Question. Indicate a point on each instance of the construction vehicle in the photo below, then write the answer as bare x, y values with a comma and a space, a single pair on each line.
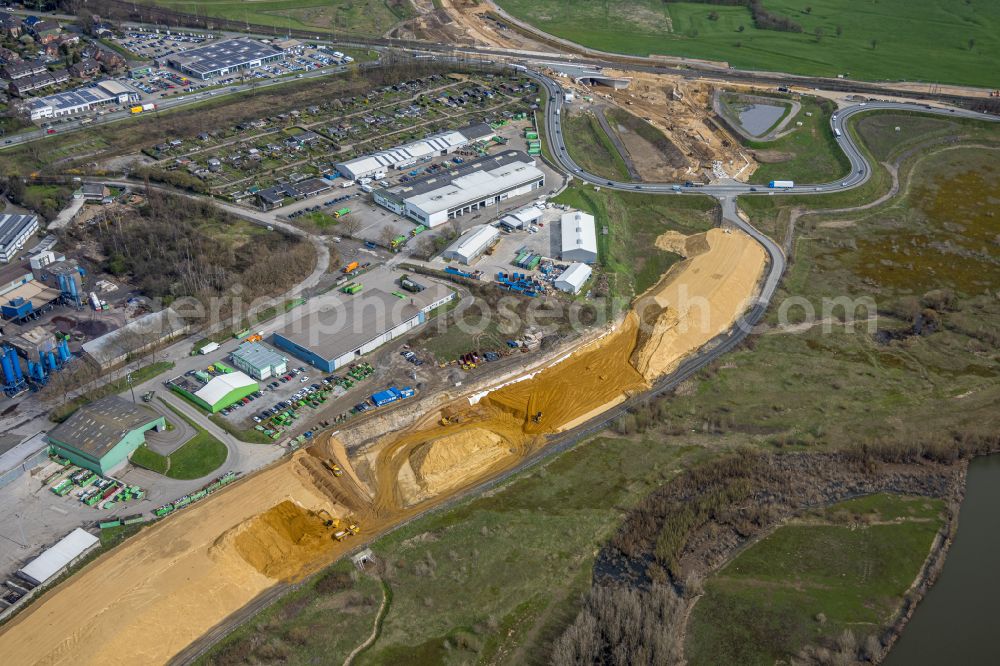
328, 520
353, 528
333, 467
148, 396
256, 337
350, 268
448, 420
537, 418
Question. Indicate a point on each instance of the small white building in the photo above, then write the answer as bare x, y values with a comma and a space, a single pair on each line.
573, 278
579, 237
521, 218
472, 244
259, 361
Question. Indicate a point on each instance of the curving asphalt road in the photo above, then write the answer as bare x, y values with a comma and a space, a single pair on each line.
727, 192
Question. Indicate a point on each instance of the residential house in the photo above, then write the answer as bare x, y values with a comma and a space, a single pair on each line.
85, 69
45, 32
19, 70
10, 25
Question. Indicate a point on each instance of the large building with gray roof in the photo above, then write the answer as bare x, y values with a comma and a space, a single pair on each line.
226, 57
102, 435
475, 185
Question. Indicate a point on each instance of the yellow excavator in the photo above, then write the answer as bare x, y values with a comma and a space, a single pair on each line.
328, 520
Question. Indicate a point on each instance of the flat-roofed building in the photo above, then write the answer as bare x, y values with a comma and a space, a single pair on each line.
259, 361
484, 182
579, 237
442, 143
331, 333
226, 57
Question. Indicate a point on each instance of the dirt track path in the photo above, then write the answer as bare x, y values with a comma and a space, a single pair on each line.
633, 172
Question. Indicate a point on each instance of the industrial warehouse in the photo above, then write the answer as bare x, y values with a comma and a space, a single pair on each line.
579, 237
472, 244
473, 186
81, 100
15, 230
226, 57
102, 435
331, 334
442, 143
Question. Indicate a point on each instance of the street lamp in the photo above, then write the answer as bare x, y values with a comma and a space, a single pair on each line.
128, 379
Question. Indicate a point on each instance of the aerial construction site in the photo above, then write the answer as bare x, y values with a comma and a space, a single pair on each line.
190, 572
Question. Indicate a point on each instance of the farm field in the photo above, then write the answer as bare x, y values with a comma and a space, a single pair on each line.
360, 17
930, 40
842, 568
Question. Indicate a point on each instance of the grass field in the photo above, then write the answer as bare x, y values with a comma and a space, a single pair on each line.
198, 457
455, 596
809, 153
634, 221
919, 40
590, 147
360, 17
849, 565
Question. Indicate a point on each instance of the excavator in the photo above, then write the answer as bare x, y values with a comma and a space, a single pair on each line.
328, 520
333, 467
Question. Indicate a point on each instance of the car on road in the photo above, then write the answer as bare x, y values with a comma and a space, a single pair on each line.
50, 131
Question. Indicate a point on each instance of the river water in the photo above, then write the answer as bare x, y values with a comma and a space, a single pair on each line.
958, 620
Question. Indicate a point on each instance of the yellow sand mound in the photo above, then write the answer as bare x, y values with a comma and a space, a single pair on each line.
454, 459
703, 298
161, 589
280, 541
673, 241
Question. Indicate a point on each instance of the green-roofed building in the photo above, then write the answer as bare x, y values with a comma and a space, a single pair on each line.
102, 435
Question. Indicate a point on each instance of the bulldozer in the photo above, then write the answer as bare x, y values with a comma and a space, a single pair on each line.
537, 418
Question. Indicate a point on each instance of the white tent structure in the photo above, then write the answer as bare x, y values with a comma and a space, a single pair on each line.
579, 237
58, 557
573, 278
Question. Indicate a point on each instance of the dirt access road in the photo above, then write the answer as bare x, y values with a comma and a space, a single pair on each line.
174, 581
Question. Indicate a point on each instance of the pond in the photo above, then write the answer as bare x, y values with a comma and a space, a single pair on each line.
957, 621
756, 119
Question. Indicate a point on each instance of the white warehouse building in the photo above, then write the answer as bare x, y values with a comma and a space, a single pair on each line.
442, 143
473, 186
573, 278
472, 243
519, 218
579, 237
15, 230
